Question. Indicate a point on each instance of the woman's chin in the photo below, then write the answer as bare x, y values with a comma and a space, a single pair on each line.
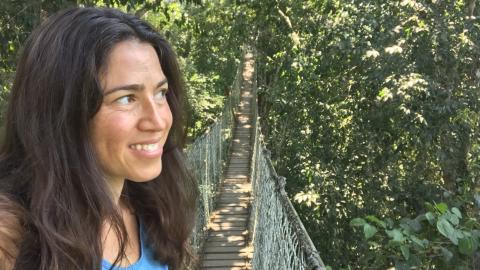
146, 177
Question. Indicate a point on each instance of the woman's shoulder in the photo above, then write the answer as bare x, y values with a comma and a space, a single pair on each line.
11, 231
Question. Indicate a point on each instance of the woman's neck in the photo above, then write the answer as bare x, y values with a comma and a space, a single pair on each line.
111, 242
116, 186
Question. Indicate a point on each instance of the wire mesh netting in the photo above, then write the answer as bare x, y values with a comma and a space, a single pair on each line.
207, 156
278, 236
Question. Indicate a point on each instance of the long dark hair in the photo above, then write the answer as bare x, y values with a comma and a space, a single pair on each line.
47, 160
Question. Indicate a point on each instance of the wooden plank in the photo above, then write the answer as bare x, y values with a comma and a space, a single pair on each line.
225, 256
241, 143
238, 175
238, 182
226, 249
241, 153
242, 169
240, 195
238, 172
227, 212
240, 243
229, 224
243, 187
233, 199
228, 233
236, 191
226, 268
225, 263
241, 146
219, 228
236, 186
233, 191
233, 160
223, 244
239, 163
231, 217
230, 204
235, 180
227, 236
231, 214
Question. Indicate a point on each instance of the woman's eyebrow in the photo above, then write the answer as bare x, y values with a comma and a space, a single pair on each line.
132, 87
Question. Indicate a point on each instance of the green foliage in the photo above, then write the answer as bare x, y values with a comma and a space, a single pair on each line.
384, 99
441, 238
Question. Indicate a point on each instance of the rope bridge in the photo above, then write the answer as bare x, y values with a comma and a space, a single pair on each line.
272, 228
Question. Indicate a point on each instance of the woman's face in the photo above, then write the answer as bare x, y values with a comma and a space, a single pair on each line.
132, 125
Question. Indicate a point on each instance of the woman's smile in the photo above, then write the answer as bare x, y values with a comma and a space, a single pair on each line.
149, 150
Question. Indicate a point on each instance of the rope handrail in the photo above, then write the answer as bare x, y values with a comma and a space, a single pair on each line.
275, 225
206, 157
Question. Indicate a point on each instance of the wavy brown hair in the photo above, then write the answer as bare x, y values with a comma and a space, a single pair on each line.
47, 161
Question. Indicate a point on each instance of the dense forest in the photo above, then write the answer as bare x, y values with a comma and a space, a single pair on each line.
371, 110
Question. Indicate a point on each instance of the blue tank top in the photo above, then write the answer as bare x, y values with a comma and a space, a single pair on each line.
145, 262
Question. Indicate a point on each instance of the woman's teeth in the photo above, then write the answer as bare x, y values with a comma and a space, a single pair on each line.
145, 147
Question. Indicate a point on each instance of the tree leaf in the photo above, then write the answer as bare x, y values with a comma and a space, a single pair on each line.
405, 252
447, 254
377, 221
430, 217
456, 212
369, 230
396, 235
357, 222
452, 218
417, 241
442, 207
466, 246
399, 265
447, 230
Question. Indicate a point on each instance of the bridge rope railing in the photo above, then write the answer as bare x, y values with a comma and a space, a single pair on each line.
207, 156
279, 238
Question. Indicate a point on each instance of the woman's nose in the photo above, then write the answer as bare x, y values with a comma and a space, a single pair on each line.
154, 116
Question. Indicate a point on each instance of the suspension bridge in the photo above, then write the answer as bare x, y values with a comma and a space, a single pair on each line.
245, 219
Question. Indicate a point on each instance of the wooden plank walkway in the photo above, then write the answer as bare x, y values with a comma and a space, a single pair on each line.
227, 245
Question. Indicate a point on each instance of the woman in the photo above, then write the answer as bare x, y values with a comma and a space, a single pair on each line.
91, 169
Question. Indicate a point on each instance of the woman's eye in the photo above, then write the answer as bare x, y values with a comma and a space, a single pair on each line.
124, 100
161, 95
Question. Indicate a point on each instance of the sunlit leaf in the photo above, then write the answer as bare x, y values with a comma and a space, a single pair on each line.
441, 207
